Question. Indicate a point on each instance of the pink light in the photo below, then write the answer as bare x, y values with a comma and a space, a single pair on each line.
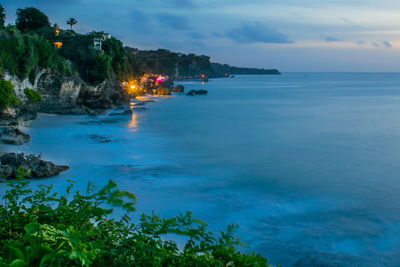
160, 79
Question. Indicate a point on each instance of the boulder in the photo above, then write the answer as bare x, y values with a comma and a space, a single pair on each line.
163, 91
197, 92
13, 136
178, 89
103, 96
27, 113
37, 168
9, 117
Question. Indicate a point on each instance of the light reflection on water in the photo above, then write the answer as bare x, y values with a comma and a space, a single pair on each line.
133, 123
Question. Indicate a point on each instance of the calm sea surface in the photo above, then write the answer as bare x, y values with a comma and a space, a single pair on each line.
306, 164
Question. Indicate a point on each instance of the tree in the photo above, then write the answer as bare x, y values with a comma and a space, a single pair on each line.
2, 17
71, 22
29, 19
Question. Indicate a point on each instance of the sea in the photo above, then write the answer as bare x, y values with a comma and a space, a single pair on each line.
307, 164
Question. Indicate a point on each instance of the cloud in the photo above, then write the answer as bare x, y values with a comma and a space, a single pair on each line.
175, 22
330, 39
375, 44
257, 33
387, 44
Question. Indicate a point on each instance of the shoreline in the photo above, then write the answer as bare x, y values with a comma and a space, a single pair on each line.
136, 104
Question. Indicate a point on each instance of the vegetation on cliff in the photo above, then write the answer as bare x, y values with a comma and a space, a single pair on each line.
7, 95
34, 44
33, 95
42, 228
24, 54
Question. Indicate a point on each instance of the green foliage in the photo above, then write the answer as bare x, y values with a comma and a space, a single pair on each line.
31, 18
95, 66
2, 17
119, 60
7, 95
33, 95
42, 228
24, 54
166, 62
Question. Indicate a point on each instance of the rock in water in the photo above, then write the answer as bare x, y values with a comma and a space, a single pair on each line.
197, 92
9, 164
13, 136
9, 117
99, 139
178, 89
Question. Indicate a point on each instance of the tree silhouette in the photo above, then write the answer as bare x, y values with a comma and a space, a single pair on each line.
30, 19
2, 16
72, 22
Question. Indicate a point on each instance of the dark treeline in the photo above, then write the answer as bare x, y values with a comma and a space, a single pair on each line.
31, 45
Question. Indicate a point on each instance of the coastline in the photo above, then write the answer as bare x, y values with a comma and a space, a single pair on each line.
186, 154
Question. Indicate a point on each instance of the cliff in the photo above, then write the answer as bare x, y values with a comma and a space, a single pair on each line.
180, 65
222, 69
67, 94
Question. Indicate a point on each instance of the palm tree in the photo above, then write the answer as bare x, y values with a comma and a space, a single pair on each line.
72, 22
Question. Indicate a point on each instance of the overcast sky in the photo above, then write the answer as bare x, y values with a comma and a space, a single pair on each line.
291, 35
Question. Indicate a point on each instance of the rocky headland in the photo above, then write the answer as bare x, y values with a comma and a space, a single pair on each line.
60, 95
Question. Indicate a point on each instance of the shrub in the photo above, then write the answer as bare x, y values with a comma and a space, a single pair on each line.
40, 227
33, 95
7, 95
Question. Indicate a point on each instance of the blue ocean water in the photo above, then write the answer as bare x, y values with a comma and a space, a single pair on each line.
308, 164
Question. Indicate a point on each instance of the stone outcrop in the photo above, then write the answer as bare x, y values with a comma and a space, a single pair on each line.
14, 136
60, 93
66, 95
104, 96
197, 92
34, 165
9, 117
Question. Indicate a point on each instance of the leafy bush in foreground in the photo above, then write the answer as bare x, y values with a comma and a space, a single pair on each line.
7, 95
33, 95
41, 228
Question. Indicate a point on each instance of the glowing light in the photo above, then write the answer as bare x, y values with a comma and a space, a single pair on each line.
160, 79
58, 44
131, 88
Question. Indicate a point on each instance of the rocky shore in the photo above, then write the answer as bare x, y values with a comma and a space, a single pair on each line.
33, 166
61, 95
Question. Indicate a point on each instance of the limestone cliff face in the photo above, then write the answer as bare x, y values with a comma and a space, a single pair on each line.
68, 94
59, 93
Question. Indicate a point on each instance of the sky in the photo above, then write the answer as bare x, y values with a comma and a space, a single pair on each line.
290, 35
